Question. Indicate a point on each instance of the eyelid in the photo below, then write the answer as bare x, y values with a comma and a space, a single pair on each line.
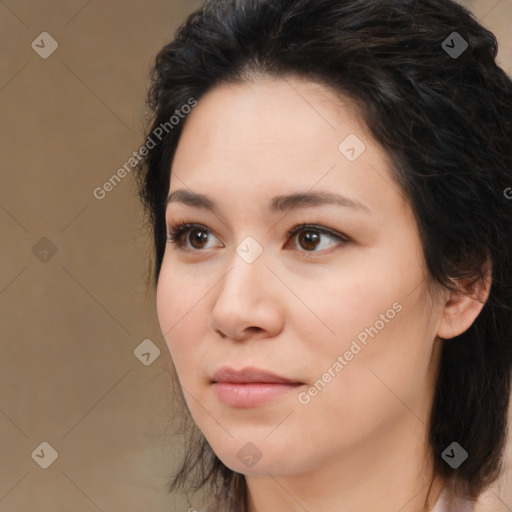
315, 227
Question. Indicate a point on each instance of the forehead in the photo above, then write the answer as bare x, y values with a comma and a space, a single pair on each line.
274, 112
272, 135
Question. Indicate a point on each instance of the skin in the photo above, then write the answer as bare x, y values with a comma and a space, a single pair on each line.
359, 445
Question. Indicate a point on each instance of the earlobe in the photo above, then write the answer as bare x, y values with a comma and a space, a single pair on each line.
463, 306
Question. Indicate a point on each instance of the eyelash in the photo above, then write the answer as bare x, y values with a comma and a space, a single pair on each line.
176, 234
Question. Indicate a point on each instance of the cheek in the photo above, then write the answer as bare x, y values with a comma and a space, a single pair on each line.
181, 303
383, 334
348, 300
392, 364
379, 383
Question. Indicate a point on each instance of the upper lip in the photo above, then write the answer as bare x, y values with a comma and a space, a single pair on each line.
249, 374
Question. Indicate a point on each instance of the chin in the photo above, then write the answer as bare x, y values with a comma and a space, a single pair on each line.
258, 458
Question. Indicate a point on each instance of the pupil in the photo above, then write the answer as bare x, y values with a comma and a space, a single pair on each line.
199, 237
309, 238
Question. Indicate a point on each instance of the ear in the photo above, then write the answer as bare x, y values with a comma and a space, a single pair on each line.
463, 306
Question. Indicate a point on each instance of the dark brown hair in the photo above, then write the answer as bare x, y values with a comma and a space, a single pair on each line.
441, 107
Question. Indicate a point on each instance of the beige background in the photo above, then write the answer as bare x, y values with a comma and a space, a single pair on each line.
73, 303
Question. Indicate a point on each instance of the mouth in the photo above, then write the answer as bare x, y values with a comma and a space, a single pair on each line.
250, 386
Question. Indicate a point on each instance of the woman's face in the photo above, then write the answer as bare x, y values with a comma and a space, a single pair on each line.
339, 308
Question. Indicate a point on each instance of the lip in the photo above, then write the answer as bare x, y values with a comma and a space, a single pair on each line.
248, 375
250, 386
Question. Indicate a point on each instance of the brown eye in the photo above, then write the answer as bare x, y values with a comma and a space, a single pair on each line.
189, 236
197, 237
311, 237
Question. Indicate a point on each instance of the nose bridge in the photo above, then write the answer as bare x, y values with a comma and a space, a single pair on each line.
246, 296
246, 274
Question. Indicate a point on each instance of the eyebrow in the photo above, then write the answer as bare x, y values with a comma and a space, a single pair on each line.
277, 204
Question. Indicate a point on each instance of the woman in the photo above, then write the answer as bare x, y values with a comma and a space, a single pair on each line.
327, 195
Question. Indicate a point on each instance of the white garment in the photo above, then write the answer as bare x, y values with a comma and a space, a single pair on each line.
443, 504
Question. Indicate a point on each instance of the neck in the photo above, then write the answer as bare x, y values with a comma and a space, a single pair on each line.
393, 474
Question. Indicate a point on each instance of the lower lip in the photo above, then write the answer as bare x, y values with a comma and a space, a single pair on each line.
250, 394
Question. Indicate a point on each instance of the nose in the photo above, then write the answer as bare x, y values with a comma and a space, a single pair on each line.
247, 302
